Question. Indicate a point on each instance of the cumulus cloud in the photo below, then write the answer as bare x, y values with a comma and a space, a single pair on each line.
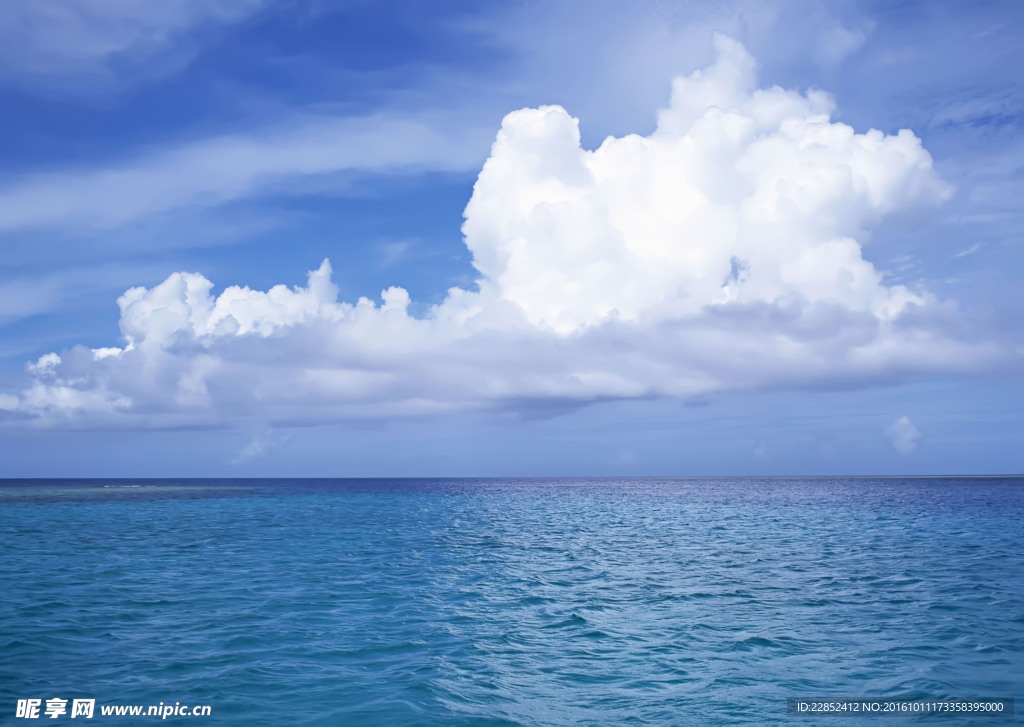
740, 196
720, 252
903, 435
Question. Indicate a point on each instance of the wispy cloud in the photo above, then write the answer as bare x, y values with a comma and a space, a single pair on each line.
98, 45
969, 251
837, 42
260, 446
227, 168
30, 294
394, 252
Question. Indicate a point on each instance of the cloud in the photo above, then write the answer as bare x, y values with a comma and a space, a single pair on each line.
33, 294
740, 195
226, 168
837, 43
903, 435
968, 251
105, 42
718, 253
395, 252
259, 447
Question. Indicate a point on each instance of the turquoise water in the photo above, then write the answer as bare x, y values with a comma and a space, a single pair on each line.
518, 602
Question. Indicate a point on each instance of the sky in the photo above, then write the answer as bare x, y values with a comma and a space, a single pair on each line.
350, 239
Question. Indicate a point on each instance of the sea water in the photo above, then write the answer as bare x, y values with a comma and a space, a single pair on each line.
509, 602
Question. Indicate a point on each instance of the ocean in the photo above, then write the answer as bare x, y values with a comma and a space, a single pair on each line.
509, 601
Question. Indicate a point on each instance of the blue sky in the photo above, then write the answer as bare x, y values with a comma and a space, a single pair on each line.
733, 289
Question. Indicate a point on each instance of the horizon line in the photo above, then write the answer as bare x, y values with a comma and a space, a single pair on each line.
524, 477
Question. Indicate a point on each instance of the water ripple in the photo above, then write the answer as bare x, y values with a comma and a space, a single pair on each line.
510, 602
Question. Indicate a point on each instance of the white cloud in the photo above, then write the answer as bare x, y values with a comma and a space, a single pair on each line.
45, 367
32, 294
968, 251
718, 253
652, 226
219, 170
105, 41
837, 43
903, 435
259, 447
